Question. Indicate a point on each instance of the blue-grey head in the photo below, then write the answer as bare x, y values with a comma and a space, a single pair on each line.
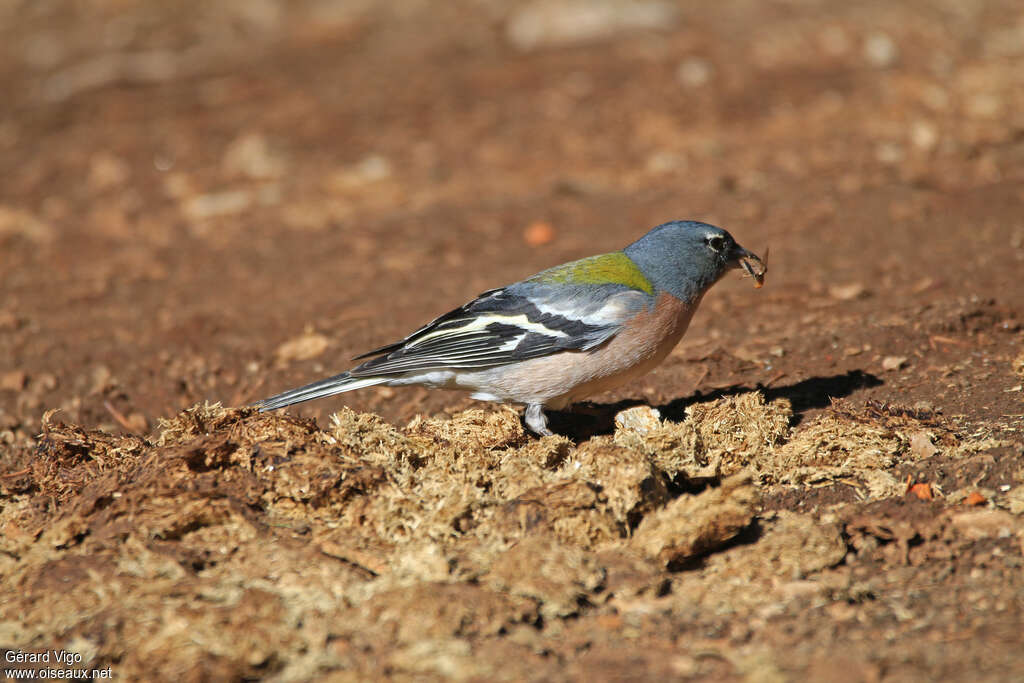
685, 258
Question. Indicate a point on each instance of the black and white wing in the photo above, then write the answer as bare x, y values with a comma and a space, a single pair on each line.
526, 320
522, 321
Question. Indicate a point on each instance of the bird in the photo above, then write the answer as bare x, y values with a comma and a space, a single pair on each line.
559, 336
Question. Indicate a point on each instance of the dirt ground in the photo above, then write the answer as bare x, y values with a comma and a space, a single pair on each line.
203, 204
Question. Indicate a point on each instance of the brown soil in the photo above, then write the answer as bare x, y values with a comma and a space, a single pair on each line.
207, 203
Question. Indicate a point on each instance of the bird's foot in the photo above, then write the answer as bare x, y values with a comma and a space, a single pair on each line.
536, 421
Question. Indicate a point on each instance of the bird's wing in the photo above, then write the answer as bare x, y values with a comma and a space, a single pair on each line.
525, 320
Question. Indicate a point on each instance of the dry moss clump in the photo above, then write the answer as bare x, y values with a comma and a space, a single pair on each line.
862, 444
239, 544
746, 433
474, 429
739, 430
763, 577
718, 438
479, 475
691, 526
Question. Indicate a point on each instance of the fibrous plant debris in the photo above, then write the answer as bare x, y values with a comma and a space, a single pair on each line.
717, 438
691, 526
317, 547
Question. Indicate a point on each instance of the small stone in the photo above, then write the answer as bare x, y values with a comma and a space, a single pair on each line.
923, 285
924, 135
309, 345
14, 380
684, 666
218, 204
250, 155
550, 23
24, 224
639, 419
880, 50
848, 292
890, 363
921, 445
665, 162
373, 169
694, 72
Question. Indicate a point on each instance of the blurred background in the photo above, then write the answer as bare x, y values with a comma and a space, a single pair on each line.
218, 201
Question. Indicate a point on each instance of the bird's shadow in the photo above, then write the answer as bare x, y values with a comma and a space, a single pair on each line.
593, 419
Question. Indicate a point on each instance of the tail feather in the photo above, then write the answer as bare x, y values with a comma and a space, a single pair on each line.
325, 387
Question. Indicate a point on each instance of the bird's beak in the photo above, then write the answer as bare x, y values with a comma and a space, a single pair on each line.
750, 262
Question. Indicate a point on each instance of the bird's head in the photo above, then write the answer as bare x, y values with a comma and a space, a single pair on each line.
685, 258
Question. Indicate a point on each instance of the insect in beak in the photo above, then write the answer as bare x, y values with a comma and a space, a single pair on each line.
755, 266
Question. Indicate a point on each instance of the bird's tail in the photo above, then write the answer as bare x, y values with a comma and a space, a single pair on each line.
325, 387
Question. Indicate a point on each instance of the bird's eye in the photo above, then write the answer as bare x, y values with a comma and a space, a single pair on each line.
716, 242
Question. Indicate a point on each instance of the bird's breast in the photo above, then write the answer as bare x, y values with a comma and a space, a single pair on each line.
569, 376
648, 338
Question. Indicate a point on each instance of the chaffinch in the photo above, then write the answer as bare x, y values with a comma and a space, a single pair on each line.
562, 335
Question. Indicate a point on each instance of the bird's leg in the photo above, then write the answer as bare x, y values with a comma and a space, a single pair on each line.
536, 421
